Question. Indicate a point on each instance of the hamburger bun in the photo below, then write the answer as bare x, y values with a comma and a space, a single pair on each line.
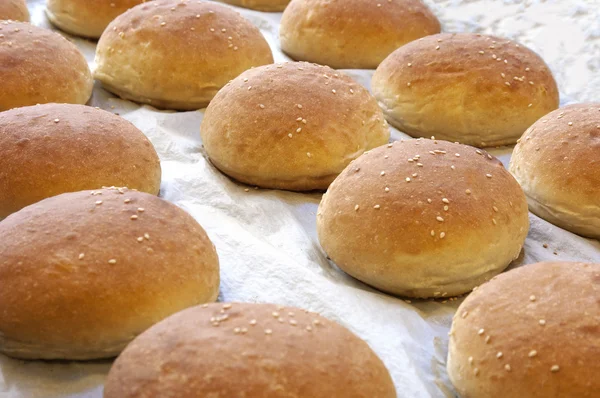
423, 218
533, 332
46, 150
38, 66
177, 54
291, 126
352, 34
476, 89
557, 163
248, 350
15, 10
98, 268
260, 5
87, 18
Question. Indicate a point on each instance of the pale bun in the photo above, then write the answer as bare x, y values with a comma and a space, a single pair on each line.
557, 163
50, 68
56, 148
533, 332
87, 18
260, 5
423, 218
291, 126
83, 273
248, 350
190, 50
15, 10
352, 34
475, 89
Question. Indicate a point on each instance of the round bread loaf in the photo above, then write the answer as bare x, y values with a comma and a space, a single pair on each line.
177, 53
475, 89
83, 273
15, 10
291, 126
423, 218
557, 162
248, 350
46, 150
533, 332
260, 5
87, 18
347, 34
38, 66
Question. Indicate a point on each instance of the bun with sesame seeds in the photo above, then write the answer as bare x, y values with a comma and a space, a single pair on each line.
50, 149
475, 89
83, 273
38, 66
87, 18
260, 5
423, 218
248, 350
177, 54
557, 164
352, 34
291, 126
533, 332
15, 10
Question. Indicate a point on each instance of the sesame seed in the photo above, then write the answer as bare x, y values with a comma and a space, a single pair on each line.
555, 368
261, 106
429, 201
299, 106
253, 322
419, 164
442, 235
290, 135
275, 314
382, 173
299, 129
387, 189
495, 208
481, 331
542, 322
507, 367
127, 201
309, 328
356, 207
81, 256
445, 200
268, 331
464, 314
440, 219
468, 191
488, 175
494, 221
56, 120
487, 339
532, 353
476, 371
141, 209
140, 239
98, 202
333, 91
227, 306
112, 261
532, 298
377, 207
408, 179
499, 355
470, 359
308, 154
147, 236
134, 217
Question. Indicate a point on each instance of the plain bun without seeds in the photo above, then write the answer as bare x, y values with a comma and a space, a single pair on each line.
557, 162
423, 218
248, 350
475, 89
532, 332
49, 149
83, 273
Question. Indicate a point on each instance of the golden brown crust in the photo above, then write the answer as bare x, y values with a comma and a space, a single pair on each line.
90, 277
532, 332
260, 5
352, 33
558, 165
291, 126
87, 18
249, 350
177, 54
450, 218
475, 89
15, 10
55, 148
38, 66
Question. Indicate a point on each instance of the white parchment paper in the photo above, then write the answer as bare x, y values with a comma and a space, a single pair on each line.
266, 239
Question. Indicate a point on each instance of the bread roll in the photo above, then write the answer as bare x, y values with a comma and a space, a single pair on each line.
248, 350
478, 90
533, 332
177, 53
291, 126
83, 273
15, 10
557, 163
46, 150
423, 218
87, 18
356, 34
38, 66
260, 5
